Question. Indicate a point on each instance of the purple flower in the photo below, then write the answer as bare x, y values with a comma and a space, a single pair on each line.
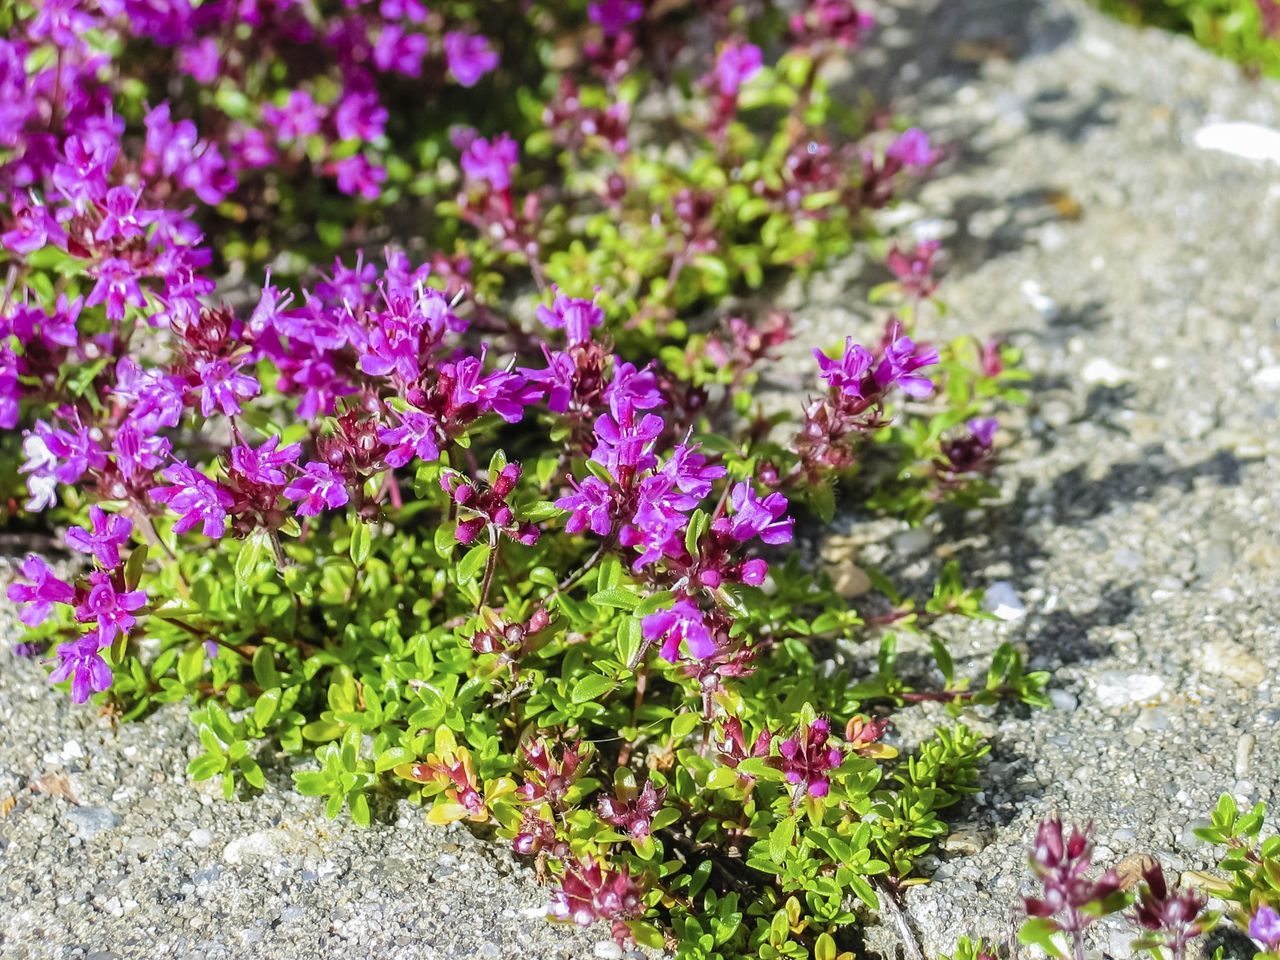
199, 60
502, 392
319, 487
847, 373
197, 498
156, 396
356, 175
109, 532
222, 385
911, 149
575, 315
632, 387
360, 116
82, 662
557, 379
1061, 863
297, 119
1264, 928
765, 518
682, 622
112, 611
632, 811
688, 471
807, 761
737, 63
591, 504
656, 531
490, 163
264, 465
41, 594
33, 228
900, 361
64, 454
10, 388
138, 450
983, 429
622, 443
614, 16
400, 51
116, 286
121, 219
469, 56
415, 437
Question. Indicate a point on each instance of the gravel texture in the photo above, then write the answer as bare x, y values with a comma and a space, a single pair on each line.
1135, 546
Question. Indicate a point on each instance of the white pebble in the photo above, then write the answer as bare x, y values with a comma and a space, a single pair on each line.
1003, 601
1115, 689
1248, 140
1103, 371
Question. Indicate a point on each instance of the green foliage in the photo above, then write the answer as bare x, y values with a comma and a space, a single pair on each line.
1235, 29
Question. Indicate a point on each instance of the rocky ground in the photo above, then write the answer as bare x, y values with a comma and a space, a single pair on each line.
1089, 215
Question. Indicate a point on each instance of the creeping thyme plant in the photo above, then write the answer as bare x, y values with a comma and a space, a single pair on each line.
492, 519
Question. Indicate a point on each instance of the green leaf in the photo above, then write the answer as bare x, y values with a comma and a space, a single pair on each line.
591, 687
470, 566
251, 551
684, 724
780, 839
265, 708
618, 597
361, 543
205, 766
264, 667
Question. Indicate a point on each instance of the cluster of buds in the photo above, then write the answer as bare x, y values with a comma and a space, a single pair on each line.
806, 759
480, 506
631, 809
970, 453
863, 735
456, 770
743, 344
537, 835
913, 268
590, 892
574, 125
549, 780
510, 641
1069, 897
211, 356
1173, 917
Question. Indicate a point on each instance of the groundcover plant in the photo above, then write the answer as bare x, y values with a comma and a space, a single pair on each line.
493, 519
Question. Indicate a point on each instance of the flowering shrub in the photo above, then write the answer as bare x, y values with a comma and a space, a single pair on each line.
502, 530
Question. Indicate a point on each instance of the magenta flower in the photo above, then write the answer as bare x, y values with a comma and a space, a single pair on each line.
501, 392
901, 361
299, 118
138, 450
751, 518
622, 443
469, 56
1264, 928
682, 622
319, 487
197, 498
632, 388
912, 149
848, 373
109, 532
614, 16
112, 611
41, 594
575, 315
116, 286
490, 164
266, 463
34, 227
10, 388
737, 63
399, 50
807, 761
356, 175
121, 218
632, 812
415, 437
82, 662
557, 378
688, 471
591, 505
1062, 863
222, 386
